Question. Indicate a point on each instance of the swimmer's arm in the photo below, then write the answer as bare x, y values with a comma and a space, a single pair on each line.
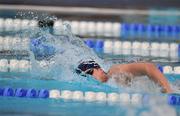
149, 69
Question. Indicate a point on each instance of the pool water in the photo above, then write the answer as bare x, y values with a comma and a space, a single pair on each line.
49, 107
35, 106
58, 74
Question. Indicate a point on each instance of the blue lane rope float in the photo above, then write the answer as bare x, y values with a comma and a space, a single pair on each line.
172, 99
150, 31
179, 50
20, 92
90, 43
125, 30
31, 93
1, 92
99, 44
8, 91
43, 93
28, 93
160, 68
15, 64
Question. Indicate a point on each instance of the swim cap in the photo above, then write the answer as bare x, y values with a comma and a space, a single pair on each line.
87, 67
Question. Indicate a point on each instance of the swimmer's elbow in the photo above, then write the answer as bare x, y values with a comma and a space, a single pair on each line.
150, 67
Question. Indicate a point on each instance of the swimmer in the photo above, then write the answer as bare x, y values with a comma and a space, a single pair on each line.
136, 69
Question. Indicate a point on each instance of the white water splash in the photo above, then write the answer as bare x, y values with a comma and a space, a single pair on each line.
134, 84
176, 86
69, 50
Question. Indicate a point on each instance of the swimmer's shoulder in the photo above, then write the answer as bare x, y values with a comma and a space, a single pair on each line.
113, 69
114, 66
117, 66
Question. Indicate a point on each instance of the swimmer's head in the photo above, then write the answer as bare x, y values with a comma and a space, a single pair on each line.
90, 67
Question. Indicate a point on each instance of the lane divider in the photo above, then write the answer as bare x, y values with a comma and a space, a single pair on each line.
123, 30
14, 43
115, 47
14, 65
9, 24
154, 49
23, 45
100, 28
20, 92
150, 31
88, 96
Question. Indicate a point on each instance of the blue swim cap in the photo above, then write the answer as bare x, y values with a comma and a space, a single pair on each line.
87, 67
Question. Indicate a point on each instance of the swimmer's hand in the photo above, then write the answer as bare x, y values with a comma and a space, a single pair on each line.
166, 90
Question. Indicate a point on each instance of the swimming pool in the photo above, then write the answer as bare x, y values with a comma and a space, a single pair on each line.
55, 73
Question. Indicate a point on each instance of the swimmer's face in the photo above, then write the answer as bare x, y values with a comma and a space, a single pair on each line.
100, 75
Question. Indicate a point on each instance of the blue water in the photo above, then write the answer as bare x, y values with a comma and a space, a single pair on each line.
58, 74
25, 81
49, 107
11, 106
